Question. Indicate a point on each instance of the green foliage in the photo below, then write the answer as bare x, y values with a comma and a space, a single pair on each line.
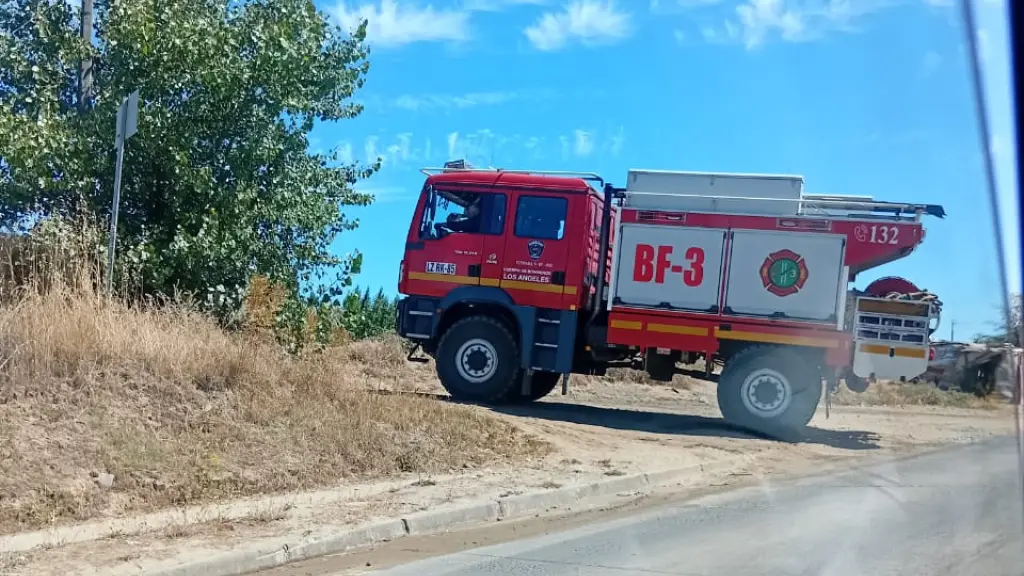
364, 316
218, 183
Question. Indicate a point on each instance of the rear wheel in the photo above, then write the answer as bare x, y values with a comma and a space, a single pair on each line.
660, 367
478, 360
771, 390
856, 383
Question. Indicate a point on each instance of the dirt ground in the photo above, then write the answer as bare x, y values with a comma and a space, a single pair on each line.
601, 428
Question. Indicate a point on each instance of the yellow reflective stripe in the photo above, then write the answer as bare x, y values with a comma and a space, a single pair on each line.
775, 338
676, 329
450, 278
626, 324
902, 352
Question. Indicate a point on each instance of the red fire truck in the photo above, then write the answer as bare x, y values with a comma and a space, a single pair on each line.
515, 279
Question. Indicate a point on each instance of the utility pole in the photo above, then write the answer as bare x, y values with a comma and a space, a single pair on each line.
85, 67
952, 330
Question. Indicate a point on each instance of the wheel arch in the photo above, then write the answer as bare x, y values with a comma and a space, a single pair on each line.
474, 301
734, 349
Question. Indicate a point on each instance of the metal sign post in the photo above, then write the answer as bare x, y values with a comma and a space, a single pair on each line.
127, 125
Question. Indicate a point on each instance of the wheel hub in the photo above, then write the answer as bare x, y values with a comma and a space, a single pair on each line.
766, 393
476, 360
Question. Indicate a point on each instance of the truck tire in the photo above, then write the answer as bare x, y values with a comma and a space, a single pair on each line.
856, 384
478, 360
660, 367
543, 383
769, 389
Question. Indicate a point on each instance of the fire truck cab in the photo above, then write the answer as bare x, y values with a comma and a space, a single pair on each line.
515, 279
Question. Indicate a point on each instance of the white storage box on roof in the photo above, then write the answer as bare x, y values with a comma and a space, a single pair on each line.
711, 192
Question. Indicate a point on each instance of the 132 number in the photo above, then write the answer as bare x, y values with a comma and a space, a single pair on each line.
884, 235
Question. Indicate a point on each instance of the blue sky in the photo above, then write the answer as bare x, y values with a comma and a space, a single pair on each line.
858, 96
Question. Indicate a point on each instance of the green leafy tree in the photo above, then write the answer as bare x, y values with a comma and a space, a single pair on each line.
364, 316
218, 183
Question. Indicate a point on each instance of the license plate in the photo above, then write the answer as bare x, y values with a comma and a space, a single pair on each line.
441, 268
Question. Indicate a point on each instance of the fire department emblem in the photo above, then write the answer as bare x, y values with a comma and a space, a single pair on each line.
535, 248
784, 273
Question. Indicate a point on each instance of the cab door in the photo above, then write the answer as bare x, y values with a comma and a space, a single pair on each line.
443, 258
493, 234
537, 249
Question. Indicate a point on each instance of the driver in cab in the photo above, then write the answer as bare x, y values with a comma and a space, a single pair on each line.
468, 222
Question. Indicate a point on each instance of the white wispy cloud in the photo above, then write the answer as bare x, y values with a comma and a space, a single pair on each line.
345, 152
617, 140
566, 147
757, 21
387, 194
370, 149
484, 147
587, 22
583, 144
675, 6
453, 144
453, 101
399, 149
712, 34
391, 24
498, 5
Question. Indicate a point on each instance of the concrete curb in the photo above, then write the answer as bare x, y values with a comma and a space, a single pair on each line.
438, 520
151, 522
254, 559
266, 556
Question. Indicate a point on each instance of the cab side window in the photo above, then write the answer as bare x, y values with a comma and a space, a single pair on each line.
459, 212
541, 217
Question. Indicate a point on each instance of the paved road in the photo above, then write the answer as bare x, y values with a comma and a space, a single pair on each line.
955, 513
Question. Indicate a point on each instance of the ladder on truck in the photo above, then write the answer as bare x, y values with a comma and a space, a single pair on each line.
795, 203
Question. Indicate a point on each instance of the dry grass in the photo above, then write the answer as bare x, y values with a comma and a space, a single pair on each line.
181, 412
895, 394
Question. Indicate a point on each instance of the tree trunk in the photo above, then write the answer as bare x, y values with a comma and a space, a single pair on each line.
85, 68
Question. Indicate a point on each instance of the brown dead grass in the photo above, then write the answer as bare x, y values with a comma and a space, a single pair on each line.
895, 394
181, 412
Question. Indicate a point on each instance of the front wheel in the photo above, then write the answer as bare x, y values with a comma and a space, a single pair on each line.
478, 360
770, 390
